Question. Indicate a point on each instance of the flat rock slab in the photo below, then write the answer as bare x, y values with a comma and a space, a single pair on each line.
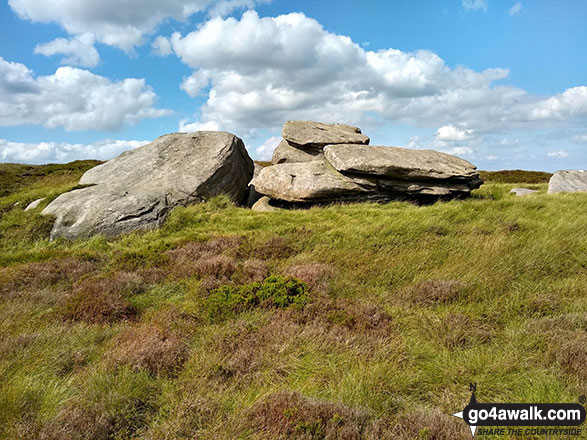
316, 135
138, 189
313, 181
288, 153
398, 163
521, 192
568, 181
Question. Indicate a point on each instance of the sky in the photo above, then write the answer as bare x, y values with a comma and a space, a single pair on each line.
500, 83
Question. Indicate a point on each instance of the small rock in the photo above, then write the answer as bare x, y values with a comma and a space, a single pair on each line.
34, 204
520, 192
263, 205
568, 181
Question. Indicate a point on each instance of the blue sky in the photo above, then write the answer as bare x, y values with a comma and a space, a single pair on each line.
500, 83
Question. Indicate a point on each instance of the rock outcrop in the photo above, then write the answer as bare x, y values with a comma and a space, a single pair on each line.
303, 141
568, 181
137, 189
319, 163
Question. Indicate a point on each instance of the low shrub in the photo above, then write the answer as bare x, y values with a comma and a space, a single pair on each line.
290, 415
274, 291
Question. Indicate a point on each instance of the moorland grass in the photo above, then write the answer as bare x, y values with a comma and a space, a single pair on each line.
405, 305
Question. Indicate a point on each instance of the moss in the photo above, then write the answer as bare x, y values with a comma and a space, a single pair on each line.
274, 291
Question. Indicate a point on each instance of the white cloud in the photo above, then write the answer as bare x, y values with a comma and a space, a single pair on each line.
491, 158
515, 9
475, 5
265, 151
72, 98
79, 51
186, 127
559, 154
120, 23
580, 138
452, 133
259, 72
45, 152
571, 103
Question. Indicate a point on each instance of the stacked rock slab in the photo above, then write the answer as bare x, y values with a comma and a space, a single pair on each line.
138, 189
304, 141
350, 171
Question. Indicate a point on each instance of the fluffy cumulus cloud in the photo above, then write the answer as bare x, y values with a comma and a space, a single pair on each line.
79, 51
44, 152
72, 98
120, 23
452, 133
265, 151
256, 72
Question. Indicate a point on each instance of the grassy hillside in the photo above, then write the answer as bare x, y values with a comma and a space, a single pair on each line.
515, 176
354, 322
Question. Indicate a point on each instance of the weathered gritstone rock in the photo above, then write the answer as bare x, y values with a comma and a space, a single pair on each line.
521, 192
398, 163
305, 182
287, 153
264, 205
137, 189
568, 181
316, 135
34, 205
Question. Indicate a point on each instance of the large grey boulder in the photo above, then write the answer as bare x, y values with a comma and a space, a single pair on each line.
568, 181
398, 163
138, 189
316, 135
287, 153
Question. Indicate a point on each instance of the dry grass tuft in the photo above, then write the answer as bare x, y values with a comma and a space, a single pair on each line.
430, 424
315, 275
42, 275
155, 346
341, 314
80, 423
460, 331
102, 300
289, 415
571, 354
433, 292
274, 247
254, 270
205, 259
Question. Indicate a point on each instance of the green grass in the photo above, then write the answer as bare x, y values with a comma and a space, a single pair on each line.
403, 307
